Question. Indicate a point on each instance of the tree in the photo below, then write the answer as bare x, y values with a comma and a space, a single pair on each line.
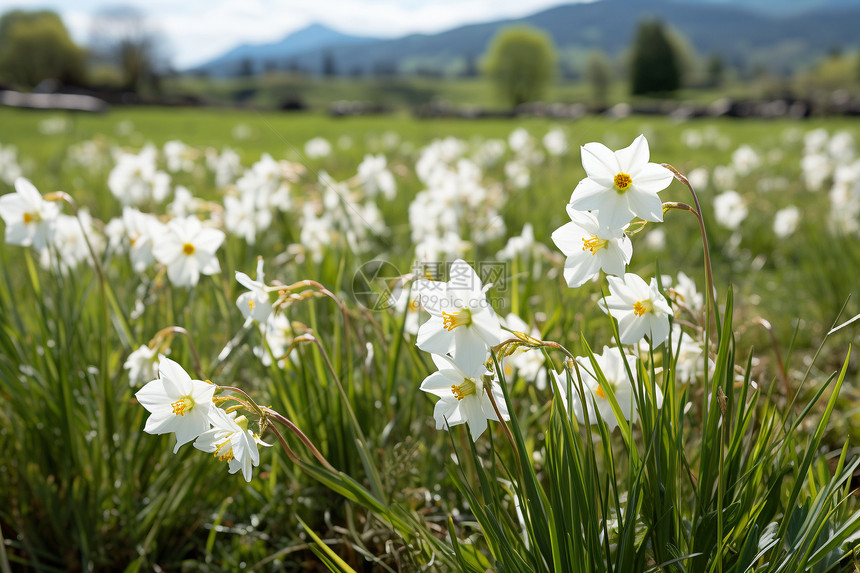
716, 70
598, 70
655, 67
124, 37
35, 46
521, 61
329, 68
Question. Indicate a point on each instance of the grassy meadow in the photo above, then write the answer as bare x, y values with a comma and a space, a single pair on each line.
748, 462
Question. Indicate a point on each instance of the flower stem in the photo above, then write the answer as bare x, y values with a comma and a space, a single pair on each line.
301, 435
195, 357
709, 273
782, 374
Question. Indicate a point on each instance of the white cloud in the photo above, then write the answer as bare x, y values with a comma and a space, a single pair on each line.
201, 29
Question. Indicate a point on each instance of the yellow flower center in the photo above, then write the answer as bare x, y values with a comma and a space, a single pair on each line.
460, 318
594, 244
623, 181
251, 304
188, 249
600, 393
224, 451
183, 405
467, 387
643, 306
29, 218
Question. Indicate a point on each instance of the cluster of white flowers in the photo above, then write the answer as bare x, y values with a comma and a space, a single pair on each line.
459, 334
457, 207
136, 179
619, 186
185, 407
833, 159
260, 190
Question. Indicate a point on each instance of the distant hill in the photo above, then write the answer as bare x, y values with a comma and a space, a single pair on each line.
256, 58
742, 37
782, 7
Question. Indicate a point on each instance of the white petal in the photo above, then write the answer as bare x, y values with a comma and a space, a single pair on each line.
568, 238
437, 384
174, 377
652, 178
28, 192
599, 163
613, 211
580, 267
588, 194
209, 239
645, 205
634, 156
632, 329
432, 337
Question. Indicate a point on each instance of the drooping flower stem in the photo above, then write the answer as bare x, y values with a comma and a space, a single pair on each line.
782, 374
195, 357
503, 423
290, 453
269, 413
709, 273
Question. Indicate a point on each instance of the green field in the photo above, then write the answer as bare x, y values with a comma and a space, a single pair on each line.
84, 488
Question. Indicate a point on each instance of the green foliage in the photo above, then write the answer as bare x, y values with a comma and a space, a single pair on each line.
715, 70
655, 67
36, 46
521, 62
599, 73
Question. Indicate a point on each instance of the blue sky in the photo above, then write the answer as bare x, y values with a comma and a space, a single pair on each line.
200, 29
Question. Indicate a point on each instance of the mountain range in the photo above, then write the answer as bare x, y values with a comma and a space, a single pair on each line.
779, 40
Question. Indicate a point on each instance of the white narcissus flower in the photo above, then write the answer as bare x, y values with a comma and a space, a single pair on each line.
555, 142
690, 363
278, 334
69, 238
621, 184
612, 365
231, 441
730, 210
461, 319
142, 230
463, 397
176, 403
374, 175
29, 218
245, 218
188, 248
142, 364
639, 308
685, 289
785, 222
256, 304
590, 248
317, 147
